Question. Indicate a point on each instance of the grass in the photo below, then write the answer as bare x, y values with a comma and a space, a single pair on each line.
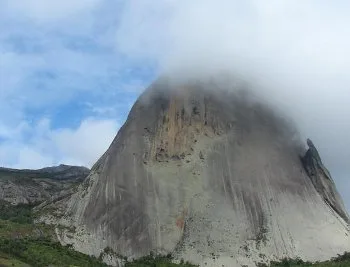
6, 261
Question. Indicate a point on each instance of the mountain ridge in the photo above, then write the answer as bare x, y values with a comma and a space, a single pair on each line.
34, 186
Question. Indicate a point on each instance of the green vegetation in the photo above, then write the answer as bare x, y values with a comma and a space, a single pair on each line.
43, 252
6, 261
340, 261
9, 230
157, 261
21, 213
23, 243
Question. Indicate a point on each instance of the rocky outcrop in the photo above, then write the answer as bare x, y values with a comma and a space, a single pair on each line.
34, 186
203, 171
322, 180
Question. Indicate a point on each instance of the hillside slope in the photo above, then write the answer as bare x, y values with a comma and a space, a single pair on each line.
33, 186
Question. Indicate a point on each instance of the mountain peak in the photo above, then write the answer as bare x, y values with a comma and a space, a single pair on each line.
202, 169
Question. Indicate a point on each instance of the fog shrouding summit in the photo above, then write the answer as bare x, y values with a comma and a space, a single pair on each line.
295, 51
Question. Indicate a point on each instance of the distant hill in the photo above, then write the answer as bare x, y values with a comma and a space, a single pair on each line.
33, 186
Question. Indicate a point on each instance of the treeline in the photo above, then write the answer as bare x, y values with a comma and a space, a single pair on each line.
44, 252
157, 261
21, 213
339, 261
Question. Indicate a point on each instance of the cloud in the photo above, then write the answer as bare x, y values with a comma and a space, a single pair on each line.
40, 145
236, 33
87, 143
294, 53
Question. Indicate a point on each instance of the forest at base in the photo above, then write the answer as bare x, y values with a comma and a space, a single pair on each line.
25, 244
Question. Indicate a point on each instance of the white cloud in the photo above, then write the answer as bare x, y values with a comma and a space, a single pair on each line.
296, 54
46, 146
86, 143
30, 158
236, 32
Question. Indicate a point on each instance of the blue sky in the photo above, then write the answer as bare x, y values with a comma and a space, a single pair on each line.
70, 70
61, 72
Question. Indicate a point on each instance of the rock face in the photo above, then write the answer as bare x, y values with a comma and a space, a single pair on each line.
33, 186
322, 180
213, 177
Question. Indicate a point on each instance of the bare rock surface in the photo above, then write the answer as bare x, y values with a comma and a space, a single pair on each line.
207, 173
322, 180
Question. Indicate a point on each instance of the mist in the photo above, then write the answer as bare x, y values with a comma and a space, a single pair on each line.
295, 53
